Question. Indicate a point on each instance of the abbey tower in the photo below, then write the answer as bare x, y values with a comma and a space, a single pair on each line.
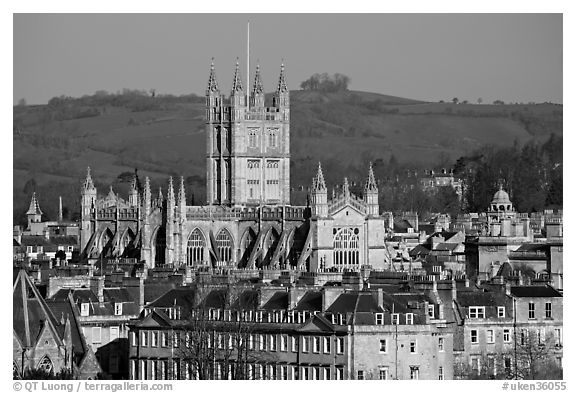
248, 144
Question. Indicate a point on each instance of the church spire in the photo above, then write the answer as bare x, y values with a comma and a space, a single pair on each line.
282, 87
258, 87
147, 191
318, 183
371, 181
34, 207
182, 193
237, 82
212, 83
170, 189
88, 183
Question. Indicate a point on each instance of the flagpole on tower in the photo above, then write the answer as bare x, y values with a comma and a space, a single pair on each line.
248, 67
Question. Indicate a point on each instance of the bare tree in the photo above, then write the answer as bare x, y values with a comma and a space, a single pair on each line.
221, 343
533, 355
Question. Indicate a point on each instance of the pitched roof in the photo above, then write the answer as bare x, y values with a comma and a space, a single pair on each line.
354, 302
534, 291
278, 301
182, 296
311, 301
30, 312
247, 300
215, 299
447, 246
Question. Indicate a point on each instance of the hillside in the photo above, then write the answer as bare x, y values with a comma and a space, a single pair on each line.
164, 136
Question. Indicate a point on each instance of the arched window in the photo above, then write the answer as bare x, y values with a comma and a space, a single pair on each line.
196, 246
45, 364
346, 247
160, 247
225, 246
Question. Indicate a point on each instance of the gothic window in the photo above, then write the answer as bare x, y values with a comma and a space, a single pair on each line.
225, 175
225, 246
217, 136
195, 250
253, 138
253, 179
273, 179
46, 365
226, 139
346, 247
273, 138
160, 247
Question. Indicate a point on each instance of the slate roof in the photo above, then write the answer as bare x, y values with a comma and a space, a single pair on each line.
401, 225
156, 290
62, 309
181, 296
311, 301
247, 300
30, 312
420, 249
480, 298
534, 291
447, 246
50, 244
278, 301
215, 299
354, 302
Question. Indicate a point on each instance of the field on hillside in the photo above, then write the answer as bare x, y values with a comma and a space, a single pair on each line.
170, 140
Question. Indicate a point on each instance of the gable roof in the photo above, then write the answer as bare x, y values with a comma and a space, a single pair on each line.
30, 312
317, 324
153, 319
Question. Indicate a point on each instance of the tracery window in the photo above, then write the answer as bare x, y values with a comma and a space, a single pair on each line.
46, 365
224, 245
346, 247
196, 246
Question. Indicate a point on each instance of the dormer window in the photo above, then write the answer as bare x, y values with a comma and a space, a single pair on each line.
84, 309
431, 310
117, 308
395, 319
476, 312
409, 319
379, 318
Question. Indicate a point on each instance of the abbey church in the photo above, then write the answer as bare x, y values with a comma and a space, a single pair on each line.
248, 221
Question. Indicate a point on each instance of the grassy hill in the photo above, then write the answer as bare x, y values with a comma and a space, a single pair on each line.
54, 144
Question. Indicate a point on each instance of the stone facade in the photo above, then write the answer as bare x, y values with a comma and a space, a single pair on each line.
248, 222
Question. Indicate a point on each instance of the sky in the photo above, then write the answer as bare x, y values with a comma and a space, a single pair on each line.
509, 57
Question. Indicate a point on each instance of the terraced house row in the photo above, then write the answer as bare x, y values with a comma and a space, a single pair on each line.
403, 329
